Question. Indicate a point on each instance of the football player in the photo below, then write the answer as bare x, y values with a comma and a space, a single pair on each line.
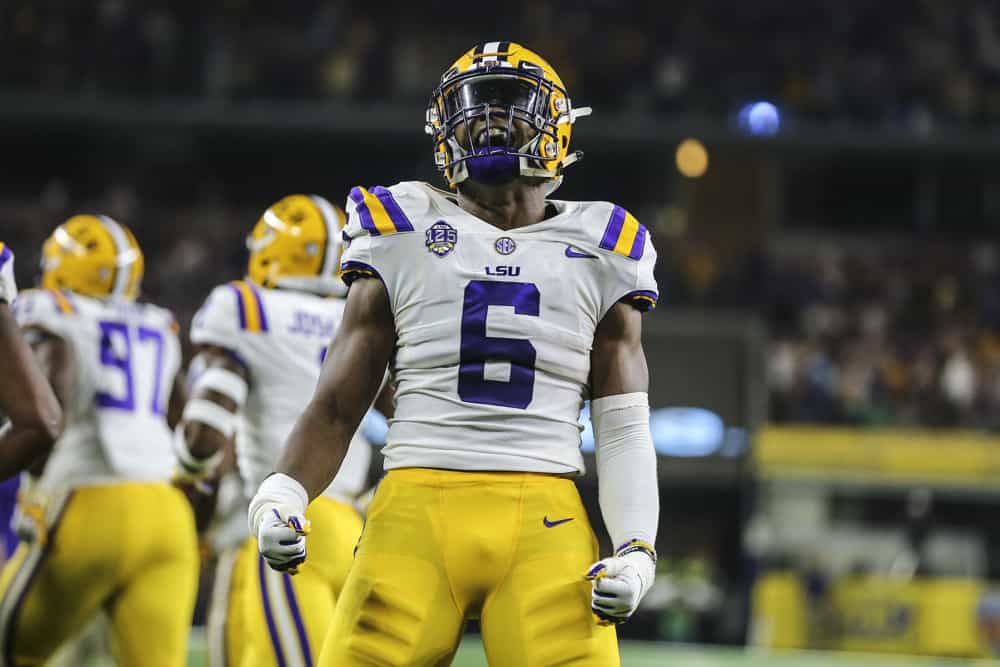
108, 532
25, 396
261, 343
500, 311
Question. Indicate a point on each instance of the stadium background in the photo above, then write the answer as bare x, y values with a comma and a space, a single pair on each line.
822, 181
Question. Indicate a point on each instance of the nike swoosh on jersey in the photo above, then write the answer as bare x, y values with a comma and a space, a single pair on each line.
553, 524
571, 252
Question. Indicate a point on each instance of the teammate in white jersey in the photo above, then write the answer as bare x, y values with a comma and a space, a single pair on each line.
500, 312
113, 363
26, 398
261, 343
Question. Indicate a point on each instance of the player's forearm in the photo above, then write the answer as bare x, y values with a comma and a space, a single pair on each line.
21, 446
316, 448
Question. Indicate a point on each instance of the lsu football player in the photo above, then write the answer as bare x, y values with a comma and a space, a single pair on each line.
108, 530
500, 311
261, 343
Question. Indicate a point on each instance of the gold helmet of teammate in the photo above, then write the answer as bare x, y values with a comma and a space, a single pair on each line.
95, 256
501, 112
297, 244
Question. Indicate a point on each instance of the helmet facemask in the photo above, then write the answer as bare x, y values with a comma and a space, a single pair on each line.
496, 121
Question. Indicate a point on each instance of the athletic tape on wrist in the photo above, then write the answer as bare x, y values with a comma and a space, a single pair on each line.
223, 381
212, 414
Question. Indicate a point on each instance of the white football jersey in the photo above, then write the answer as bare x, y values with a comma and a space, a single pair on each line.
281, 337
127, 356
494, 328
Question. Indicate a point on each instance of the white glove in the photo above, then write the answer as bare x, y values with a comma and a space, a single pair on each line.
620, 582
277, 518
8, 288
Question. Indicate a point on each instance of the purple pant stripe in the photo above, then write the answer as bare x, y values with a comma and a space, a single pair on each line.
366, 215
299, 625
271, 629
614, 229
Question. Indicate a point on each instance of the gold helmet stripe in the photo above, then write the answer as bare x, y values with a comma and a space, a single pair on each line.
125, 255
331, 222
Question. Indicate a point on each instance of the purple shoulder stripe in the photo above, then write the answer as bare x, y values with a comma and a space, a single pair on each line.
5, 254
366, 216
614, 228
260, 306
241, 307
639, 244
396, 214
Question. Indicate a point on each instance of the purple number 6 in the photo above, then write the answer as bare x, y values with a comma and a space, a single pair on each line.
477, 348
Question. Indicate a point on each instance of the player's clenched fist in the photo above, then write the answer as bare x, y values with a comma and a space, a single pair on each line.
277, 518
620, 582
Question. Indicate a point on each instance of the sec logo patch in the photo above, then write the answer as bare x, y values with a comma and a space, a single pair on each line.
505, 245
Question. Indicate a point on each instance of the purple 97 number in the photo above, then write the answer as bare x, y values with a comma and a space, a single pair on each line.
477, 348
118, 357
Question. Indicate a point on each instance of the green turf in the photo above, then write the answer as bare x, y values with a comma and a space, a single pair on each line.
649, 654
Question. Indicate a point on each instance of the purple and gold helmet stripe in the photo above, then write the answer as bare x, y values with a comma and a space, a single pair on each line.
644, 300
380, 214
250, 307
624, 235
5, 254
62, 301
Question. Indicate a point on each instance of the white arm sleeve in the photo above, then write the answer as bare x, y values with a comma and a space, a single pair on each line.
626, 467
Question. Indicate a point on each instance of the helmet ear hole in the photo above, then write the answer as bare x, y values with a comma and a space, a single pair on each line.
565, 142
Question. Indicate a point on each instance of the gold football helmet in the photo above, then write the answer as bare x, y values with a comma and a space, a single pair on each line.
490, 87
297, 244
94, 256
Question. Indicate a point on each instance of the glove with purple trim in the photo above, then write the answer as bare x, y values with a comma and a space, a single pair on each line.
620, 582
277, 518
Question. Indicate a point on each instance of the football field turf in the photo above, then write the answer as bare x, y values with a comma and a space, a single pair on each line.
648, 654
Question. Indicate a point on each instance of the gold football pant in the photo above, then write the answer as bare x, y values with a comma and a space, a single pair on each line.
129, 548
286, 617
442, 546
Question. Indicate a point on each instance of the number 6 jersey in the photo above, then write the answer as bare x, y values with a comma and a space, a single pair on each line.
494, 327
127, 355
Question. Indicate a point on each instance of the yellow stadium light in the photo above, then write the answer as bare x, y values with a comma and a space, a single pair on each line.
692, 158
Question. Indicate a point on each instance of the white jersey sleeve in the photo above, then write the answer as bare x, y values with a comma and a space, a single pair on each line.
375, 220
8, 287
51, 310
632, 258
218, 320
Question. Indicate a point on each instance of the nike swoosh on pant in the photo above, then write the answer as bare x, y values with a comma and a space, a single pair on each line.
552, 524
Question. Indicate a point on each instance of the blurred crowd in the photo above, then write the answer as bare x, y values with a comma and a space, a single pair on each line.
919, 65
866, 330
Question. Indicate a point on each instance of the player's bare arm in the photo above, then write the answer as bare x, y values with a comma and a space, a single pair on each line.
357, 359
28, 401
626, 464
175, 405
351, 378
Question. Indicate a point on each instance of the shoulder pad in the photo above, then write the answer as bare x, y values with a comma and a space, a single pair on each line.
615, 230
380, 211
164, 315
230, 309
44, 308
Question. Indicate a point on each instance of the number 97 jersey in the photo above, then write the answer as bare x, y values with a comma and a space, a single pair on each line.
494, 327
